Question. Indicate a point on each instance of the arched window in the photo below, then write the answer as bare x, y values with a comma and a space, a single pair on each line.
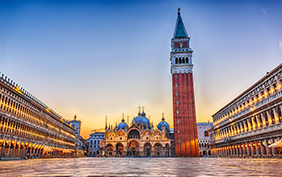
134, 134
176, 60
187, 60
180, 61
206, 133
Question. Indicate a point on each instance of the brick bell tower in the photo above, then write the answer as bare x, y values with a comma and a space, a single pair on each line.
184, 114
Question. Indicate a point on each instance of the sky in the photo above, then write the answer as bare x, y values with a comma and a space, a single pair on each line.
94, 58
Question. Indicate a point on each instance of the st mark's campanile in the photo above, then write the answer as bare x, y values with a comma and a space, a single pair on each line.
184, 114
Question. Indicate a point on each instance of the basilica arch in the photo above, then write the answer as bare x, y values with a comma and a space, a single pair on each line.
110, 150
158, 149
133, 148
119, 149
147, 149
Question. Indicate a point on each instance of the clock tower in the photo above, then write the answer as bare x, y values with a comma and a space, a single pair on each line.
184, 114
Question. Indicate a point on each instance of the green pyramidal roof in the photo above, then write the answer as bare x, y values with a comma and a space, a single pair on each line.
180, 31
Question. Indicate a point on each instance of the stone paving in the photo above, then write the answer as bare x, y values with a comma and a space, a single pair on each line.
142, 167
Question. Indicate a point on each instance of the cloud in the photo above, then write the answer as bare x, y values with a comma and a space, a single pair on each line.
265, 13
280, 44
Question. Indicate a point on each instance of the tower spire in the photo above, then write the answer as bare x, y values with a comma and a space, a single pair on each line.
139, 110
180, 30
106, 122
122, 117
163, 119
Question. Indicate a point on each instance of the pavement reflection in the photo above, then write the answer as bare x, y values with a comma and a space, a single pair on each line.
142, 167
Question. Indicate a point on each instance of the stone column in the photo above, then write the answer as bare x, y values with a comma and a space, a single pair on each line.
258, 122
249, 124
272, 149
280, 107
263, 120
244, 149
276, 116
269, 118
241, 126
253, 122
252, 149
238, 129
229, 131
257, 149
261, 147
248, 150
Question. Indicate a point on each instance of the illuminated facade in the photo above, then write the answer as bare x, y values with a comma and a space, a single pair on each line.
94, 139
184, 115
252, 121
28, 127
204, 138
138, 139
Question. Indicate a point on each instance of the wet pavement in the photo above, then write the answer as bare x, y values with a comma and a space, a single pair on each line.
142, 167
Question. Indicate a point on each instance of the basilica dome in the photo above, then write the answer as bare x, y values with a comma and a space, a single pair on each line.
121, 125
163, 122
141, 119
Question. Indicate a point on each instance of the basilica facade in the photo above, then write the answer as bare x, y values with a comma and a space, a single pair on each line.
139, 139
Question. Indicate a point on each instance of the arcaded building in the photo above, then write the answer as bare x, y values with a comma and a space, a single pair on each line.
252, 121
28, 127
137, 139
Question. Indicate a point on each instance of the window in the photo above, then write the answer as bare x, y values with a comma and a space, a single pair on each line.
177, 112
176, 85
177, 102
176, 93
178, 121
179, 141
175, 76
178, 131
206, 133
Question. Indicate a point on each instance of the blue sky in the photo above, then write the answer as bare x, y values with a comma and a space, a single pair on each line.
98, 58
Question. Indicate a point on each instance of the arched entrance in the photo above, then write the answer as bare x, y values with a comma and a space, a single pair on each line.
110, 150
158, 149
133, 148
147, 149
119, 149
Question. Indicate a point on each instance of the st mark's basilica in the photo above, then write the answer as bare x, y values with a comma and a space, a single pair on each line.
137, 139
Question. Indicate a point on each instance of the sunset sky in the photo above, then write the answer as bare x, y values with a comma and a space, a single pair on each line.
97, 58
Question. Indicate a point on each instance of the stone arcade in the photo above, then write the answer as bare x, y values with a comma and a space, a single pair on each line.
252, 121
